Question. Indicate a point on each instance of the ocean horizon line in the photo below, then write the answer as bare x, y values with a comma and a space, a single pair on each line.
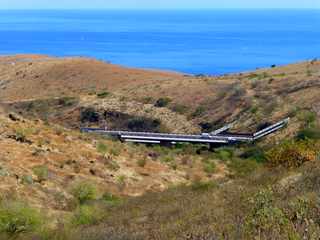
159, 9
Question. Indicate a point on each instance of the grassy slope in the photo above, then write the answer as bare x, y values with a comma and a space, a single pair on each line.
225, 210
249, 98
66, 156
271, 204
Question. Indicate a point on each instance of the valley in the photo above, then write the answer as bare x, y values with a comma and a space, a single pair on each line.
65, 184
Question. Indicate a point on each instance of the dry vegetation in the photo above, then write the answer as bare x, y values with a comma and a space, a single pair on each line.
57, 183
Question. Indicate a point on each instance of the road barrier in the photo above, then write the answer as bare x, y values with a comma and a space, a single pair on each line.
216, 137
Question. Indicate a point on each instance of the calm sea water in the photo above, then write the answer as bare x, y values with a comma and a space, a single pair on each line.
209, 42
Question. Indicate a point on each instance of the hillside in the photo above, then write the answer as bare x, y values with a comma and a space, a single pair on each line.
90, 187
64, 156
206, 100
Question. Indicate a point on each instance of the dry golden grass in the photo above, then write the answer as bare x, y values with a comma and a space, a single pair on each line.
41, 161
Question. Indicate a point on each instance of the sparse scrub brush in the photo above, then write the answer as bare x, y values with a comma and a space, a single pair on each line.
103, 94
102, 148
110, 199
41, 172
162, 102
17, 217
209, 167
87, 215
198, 185
84, 192
199, 112
224, 153
292, 154
309, 133
142, 162
265, 218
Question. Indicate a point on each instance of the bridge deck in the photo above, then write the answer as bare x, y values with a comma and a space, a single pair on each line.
222, 138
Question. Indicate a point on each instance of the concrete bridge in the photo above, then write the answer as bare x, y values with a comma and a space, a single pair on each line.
217, 137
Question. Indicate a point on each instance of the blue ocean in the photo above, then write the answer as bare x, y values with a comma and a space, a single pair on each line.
195, 42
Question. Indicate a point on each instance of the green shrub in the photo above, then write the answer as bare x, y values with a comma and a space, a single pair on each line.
254, 153
307, 117
67, 101
179, 108
143, 124
22, 134
209, 168
16, 217
254, 109
199, 111
110, 198
162, 102
27, 179
207, 126
173, 166
4, 172
111, 164
84, 192
309, 133
142, 162
291, 154
224, 153
242, 167
103, 94
265, 219
89, 115
115, 151
202, 186
41, 172
102, 148
86, 215
121, 181
237, 92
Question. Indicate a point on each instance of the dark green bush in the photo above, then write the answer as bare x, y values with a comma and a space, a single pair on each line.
207, 126
254, 153
67, 101
309, 133
162, 102
89, 115
103, 94
199, 111
143, 124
